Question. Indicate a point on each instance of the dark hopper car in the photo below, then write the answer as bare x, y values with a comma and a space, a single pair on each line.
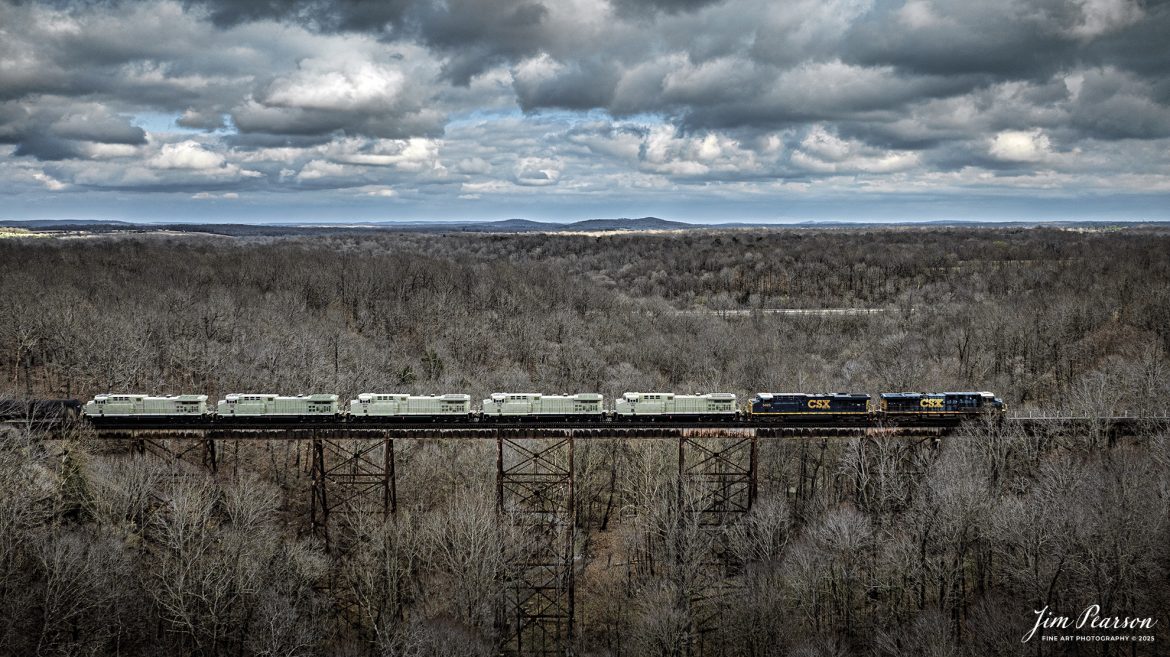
39, 410
938, 404
797, 407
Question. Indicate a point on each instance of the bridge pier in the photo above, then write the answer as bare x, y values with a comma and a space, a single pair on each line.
721, 469
534, 488
353, 472
192, 450
210, 457
717, 486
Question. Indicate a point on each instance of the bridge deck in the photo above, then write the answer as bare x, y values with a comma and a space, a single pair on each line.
515, 432
262, 430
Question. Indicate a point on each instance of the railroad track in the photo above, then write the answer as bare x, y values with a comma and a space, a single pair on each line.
274, 429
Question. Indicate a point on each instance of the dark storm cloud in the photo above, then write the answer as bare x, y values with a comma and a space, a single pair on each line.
51, 129
99, 127
830, 93
46, 147
583, 85
479, 33
473, 34
998, 37
321, 122
1141, 47
1111, 105
643, 8
351, 15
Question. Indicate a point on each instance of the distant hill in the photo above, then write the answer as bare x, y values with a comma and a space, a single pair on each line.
645, 223
504, 226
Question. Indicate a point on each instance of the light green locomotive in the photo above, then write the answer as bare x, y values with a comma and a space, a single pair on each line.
668, 405
537, 405
399, 405
189, 406
246, 405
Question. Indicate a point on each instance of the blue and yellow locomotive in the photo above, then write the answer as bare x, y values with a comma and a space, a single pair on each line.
898, 407
810, 408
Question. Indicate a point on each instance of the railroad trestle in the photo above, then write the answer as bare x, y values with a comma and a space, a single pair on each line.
353, 471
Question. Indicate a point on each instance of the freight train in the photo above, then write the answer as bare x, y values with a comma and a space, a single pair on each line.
835, 408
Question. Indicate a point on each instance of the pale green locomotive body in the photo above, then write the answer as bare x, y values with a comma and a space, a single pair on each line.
267, 405
376, 404
669, 404
502, 404
121, 405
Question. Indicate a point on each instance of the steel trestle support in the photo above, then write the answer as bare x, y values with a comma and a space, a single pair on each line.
534, 488
349, 476
717, 486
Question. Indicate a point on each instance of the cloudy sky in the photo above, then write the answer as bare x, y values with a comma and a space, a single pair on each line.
700, 110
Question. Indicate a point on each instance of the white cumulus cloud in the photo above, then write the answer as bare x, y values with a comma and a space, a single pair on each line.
1020, 146
357, 86
317, 169
537, 172
186, 155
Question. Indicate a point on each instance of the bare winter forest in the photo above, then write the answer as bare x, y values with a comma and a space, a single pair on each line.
854, 547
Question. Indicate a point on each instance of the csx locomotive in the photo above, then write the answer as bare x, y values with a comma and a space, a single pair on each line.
514, 407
